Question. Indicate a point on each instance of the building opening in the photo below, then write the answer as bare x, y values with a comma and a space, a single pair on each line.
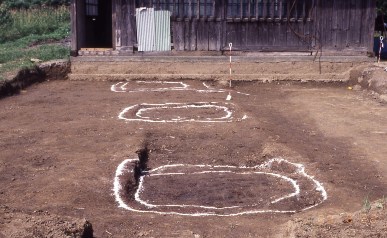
98, 24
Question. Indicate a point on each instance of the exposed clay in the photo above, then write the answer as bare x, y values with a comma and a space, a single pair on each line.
61, 143
52, 70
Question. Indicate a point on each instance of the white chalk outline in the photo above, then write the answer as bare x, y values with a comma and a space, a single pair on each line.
267, 165
223, 90
226, 118
120, 87
141, 188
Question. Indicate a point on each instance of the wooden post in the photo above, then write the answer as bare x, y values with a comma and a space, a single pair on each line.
74, 35
248, 15
264, 8
370, 34
280, 6
257, 9
241, 9
271, 9
116, 34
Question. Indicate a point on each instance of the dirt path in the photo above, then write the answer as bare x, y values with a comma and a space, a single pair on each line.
61, 143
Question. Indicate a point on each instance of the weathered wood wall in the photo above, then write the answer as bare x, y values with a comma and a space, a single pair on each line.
346, 25
256, 25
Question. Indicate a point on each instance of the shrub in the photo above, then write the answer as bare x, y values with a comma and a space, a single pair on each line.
37, 21
381, 6
32, 33
27, 4
5, 17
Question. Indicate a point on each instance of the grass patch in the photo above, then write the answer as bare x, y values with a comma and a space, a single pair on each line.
34, 33
38, 21
366, 204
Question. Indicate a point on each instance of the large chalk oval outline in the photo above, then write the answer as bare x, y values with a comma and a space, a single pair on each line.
121, 86
292, 182
299, 169
139, 109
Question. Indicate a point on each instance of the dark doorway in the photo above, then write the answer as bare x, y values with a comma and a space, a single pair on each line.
98, 24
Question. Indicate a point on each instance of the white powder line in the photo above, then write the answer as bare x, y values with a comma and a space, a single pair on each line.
205, 85
115, 86
267, 165
117, 185
242, 93
148, 107
291, 181
225, 109
183, 85
166, 174
191, 165
301, 170
117, 189
121, 88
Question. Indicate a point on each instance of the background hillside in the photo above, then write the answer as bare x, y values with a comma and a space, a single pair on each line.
32, 31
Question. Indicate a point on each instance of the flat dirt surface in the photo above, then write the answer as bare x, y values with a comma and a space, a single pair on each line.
179, 160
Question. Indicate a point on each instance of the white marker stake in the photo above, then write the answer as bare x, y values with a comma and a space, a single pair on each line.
381, 45
228, 98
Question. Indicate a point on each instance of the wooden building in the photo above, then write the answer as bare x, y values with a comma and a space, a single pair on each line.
209, 25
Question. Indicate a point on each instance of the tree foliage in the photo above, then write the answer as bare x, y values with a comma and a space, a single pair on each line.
27, 4
381, 6
5, 17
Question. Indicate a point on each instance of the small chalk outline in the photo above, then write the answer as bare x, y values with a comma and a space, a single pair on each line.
300, 170
121, 87
143, 107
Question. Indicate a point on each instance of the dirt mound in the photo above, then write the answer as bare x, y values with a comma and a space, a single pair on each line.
374, 79
52, 70
369, 222
18, 224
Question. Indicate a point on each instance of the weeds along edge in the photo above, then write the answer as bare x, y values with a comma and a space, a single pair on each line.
30, 76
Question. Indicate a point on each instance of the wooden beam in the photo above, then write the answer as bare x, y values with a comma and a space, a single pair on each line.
74, 28
115, 40
280, 6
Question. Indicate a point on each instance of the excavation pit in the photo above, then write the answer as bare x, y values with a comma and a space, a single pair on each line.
58, 135
277, 186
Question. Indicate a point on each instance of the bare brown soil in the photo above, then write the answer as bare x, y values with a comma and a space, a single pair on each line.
61, 143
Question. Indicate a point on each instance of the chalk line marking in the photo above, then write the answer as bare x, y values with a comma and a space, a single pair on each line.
141, 187
139, 109
300, 170
121, 87
205, 85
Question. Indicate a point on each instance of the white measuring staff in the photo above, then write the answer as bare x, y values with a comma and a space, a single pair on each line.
228, 98
381, 45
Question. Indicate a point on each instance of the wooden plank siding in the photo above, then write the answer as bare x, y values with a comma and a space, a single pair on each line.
252, 25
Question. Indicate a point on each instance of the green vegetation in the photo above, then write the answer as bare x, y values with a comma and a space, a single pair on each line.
26, 4
381, 204
366, 204
381, 6
36, 33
